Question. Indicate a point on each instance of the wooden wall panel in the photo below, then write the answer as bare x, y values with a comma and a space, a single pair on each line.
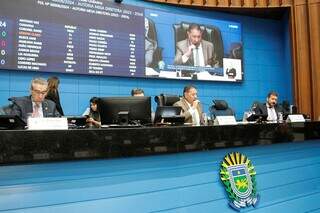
302, 73
211, 3
274, 3
286, 3
173, 1
235, 3
198, 2
186, 2
261, 3
223, 3
314, 25
249, 3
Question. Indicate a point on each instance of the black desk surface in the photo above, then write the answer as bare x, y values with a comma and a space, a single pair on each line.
19, 146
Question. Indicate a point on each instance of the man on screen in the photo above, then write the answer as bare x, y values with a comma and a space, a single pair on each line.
34, 105
194, 51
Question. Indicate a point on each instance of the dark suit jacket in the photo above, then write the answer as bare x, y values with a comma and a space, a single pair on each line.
261, 109
56, 99
185, 107
22, 106
207, 49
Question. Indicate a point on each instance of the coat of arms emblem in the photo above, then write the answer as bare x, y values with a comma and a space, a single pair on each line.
238, 176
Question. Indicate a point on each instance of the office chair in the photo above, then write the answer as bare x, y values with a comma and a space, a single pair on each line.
152, 36
235, 50
210, 33
166, 100
220, 108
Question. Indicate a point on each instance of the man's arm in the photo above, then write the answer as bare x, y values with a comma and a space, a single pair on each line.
211, 59
186, 113
183, 53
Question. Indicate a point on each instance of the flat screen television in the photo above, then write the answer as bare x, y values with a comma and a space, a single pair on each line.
113, 109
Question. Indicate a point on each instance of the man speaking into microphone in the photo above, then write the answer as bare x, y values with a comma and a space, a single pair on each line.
194, 51
191, 106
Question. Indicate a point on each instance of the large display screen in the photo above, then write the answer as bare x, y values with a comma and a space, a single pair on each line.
98, 37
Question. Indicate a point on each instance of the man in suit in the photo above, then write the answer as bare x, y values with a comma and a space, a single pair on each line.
269, 108
34, 105
191, 107
194, 51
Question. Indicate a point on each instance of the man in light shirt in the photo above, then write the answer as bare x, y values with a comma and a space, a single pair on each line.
194, 51
191, 107
269, 108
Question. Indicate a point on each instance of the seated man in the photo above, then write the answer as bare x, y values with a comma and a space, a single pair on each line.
269, 108
194, 51
137, 92
34, 105
191, 107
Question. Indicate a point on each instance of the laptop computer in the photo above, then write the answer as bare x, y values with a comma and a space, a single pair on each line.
169, 114
76, 121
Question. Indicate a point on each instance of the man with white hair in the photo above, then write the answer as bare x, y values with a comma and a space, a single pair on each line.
34, 105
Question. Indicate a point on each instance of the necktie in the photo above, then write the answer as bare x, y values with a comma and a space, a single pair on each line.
36, 112
197, 59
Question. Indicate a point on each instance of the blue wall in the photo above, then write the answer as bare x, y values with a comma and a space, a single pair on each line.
267, 66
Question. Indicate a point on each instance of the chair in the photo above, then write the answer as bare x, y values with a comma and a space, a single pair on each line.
235, 50
210, 33
220, 108
6, 110
152, 36
166, 100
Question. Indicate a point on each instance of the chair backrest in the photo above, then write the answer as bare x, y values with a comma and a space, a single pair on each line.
152, 35
166, 100
235, 50
220, 108
6, 110
210, 33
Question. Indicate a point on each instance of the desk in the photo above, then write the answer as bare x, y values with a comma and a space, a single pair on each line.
288, 173
20, 146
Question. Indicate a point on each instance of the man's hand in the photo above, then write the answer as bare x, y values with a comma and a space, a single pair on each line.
195, 104
189, 52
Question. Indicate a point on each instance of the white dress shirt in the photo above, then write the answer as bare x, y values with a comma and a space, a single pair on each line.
195, 115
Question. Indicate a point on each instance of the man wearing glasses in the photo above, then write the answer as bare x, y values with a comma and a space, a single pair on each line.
34, 105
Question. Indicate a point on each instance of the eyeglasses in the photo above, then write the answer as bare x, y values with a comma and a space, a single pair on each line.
38, 92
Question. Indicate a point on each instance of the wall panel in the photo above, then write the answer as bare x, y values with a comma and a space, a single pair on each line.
314, 25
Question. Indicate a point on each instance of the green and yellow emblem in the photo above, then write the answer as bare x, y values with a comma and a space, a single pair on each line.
238, 176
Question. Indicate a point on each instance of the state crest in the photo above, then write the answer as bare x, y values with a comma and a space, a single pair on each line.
238, 176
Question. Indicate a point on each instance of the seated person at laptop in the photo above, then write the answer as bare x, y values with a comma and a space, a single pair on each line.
191, 107
34, 105
269, 108
93, 116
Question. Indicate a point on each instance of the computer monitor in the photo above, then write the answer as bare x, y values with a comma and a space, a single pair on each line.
11, 122
136, 108
169, 114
